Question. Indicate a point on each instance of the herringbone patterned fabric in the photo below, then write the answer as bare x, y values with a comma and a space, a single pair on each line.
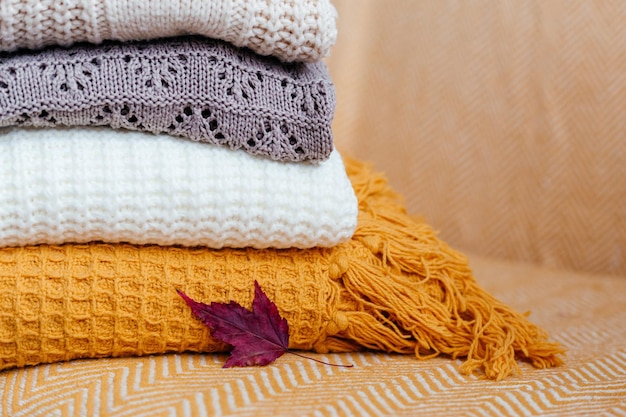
584, 312
503, 123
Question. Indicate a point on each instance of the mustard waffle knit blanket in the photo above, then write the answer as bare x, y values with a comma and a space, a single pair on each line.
98, 184
292, 30
393, 287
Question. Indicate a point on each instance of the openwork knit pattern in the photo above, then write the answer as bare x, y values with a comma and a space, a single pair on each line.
292, 30
393, 287
88, 184
201, 89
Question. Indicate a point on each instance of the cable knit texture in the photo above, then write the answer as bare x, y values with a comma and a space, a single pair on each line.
394, 286
98, 184
197, 88
292, 30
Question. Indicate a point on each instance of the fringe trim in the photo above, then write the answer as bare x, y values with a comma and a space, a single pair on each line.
406, 291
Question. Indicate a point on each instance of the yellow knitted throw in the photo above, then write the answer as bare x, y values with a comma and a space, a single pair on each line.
393, 287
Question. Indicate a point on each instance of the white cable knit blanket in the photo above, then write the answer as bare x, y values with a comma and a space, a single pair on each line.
97, 184
292, 30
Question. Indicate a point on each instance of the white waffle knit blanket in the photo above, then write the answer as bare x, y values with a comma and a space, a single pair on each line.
97, 184
292, 30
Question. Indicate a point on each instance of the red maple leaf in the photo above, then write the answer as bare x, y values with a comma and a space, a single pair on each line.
258, 336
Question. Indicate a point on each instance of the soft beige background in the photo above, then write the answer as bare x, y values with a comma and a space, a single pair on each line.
503, 123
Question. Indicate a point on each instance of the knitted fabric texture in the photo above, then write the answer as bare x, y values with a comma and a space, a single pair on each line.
202, 89
393, 287
294, 30
88, 184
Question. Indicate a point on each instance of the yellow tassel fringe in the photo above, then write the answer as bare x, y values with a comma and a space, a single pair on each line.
409, 292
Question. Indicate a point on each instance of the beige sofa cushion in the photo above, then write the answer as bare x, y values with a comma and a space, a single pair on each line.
504, 123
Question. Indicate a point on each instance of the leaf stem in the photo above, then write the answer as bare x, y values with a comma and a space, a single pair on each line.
317, 360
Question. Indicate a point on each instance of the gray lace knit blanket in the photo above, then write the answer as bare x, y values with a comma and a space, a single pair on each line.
201, 89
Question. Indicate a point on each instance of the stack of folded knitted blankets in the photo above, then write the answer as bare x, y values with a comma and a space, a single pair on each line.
147, 147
